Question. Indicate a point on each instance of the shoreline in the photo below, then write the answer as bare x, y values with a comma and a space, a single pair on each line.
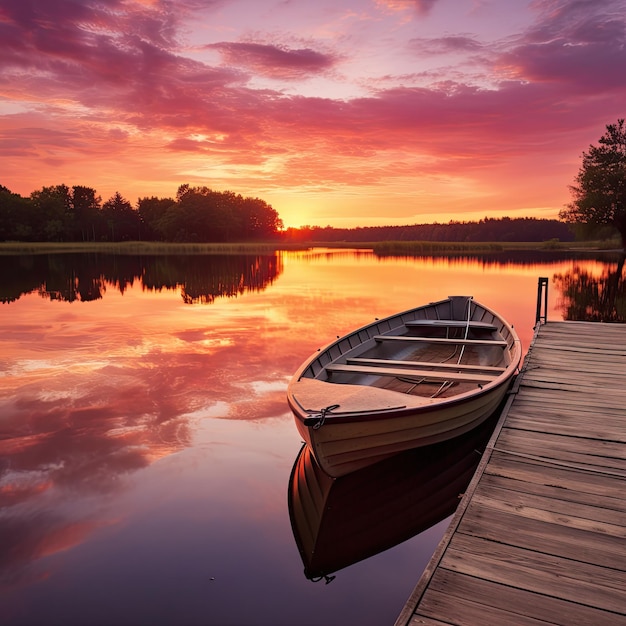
379, 247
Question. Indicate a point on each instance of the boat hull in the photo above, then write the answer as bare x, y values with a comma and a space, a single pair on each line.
349, 421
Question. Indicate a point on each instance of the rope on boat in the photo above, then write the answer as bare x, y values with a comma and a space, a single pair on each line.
325, 577
467, 327
316, 418
447, 384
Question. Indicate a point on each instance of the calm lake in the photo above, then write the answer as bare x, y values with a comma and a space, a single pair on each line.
145, 441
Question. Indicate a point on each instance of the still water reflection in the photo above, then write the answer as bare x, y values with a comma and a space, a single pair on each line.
339, 522
145, 441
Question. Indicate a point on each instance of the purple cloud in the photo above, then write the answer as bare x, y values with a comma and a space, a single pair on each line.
275, 61
446, 45
581, 44
423, 7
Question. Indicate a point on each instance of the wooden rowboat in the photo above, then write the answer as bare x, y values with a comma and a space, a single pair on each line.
337, 522
412, 379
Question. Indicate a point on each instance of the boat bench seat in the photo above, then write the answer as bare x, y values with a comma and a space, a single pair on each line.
458, 342
454, 367
451, 324
411, 373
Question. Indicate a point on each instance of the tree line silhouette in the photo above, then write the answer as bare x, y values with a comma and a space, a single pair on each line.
202, 215
525, 229
197, 214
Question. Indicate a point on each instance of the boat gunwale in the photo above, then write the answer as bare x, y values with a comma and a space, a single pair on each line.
513, 348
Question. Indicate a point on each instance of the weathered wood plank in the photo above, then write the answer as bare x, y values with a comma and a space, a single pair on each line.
426, 621
582, 583
497, 604
524, 510
568, 403
578, 379
426, 364
435, 340
586, 450
591, 361
552, 492
532, 471
545, 537
451, 324
464, 611
610, 429
411, 373
506, 496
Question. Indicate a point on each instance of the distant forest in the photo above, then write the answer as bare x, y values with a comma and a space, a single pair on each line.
202, 215
525, 229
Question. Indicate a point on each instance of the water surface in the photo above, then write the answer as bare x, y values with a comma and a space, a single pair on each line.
145, 441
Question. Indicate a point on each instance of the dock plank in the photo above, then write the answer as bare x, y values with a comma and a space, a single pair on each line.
528, 490
540, 535
591, 451
582, 583
470, 600
545, 537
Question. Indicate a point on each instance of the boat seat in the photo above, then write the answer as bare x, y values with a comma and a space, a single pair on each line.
458, 342
411, 373
460, 367
452, 324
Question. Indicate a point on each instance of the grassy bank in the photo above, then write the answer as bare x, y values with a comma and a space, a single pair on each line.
436, 247
408, 248
141, 247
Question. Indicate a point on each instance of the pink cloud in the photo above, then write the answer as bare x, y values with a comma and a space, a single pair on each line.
447, 44
423, 7
275, 61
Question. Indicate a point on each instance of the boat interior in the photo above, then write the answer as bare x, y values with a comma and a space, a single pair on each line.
425, 356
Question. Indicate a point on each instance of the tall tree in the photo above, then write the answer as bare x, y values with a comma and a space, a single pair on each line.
18, 221
53, 206
152, 212
599, 194
84, 213
123, 221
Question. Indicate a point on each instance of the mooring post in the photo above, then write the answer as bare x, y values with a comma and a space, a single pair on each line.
542, 300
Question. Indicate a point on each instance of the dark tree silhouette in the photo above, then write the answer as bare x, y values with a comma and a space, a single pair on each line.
122, 220
600, 189
84, 213
153, 212
18, 218
53, 206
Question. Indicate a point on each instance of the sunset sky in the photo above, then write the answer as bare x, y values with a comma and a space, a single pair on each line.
342, 113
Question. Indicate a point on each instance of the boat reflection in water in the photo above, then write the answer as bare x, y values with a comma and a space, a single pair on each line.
337, 522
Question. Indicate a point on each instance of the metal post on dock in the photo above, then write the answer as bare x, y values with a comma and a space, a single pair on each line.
542, 301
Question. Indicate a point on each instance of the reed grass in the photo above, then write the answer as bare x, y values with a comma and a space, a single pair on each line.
142, 247
412, 248
404, 248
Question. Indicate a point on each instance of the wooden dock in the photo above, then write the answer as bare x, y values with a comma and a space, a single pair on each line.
539, 537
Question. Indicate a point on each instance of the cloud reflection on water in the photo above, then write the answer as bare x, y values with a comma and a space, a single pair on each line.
88, 397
